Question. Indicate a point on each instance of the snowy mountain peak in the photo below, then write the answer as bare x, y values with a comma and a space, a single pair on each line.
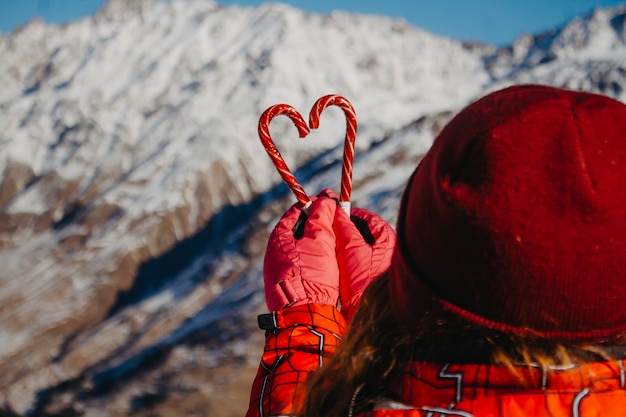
581, 54
120, 10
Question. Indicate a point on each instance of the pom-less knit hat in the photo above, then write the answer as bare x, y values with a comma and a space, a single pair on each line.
516, 218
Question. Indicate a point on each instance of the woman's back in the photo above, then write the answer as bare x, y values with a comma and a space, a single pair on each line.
505, 294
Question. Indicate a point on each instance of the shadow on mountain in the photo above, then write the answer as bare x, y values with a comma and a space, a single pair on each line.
106, 382
216, 325
216, 238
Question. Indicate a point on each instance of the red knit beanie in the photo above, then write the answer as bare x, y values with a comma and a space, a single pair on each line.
516, 218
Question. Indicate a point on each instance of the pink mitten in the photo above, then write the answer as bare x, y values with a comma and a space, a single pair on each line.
365, 245
300, 264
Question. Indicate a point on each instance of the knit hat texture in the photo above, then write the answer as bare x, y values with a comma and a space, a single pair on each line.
516, 217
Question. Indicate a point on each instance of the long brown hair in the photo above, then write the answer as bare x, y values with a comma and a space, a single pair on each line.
376, 349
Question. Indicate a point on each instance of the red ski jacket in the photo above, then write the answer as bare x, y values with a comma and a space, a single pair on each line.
297, 341
300, 338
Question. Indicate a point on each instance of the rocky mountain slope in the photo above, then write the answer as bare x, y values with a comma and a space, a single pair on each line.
137, 199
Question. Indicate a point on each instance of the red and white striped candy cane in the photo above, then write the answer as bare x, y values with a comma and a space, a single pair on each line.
348, 147
274, 154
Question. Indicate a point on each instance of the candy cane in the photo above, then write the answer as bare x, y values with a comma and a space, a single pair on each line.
348, 147
274, 154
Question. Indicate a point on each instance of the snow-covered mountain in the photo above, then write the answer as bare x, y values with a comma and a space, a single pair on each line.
137, 199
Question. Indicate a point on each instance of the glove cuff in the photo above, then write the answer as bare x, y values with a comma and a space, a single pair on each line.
317, 315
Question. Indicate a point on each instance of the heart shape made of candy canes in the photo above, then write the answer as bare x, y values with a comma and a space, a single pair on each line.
303, 130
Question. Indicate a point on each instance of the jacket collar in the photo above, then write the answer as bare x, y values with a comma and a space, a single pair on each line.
449, 384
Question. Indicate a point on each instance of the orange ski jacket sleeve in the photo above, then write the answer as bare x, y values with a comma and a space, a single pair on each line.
298, 340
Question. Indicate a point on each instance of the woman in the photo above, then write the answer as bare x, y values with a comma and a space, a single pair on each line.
505, 293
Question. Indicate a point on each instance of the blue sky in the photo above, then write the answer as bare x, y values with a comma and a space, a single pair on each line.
493, 21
